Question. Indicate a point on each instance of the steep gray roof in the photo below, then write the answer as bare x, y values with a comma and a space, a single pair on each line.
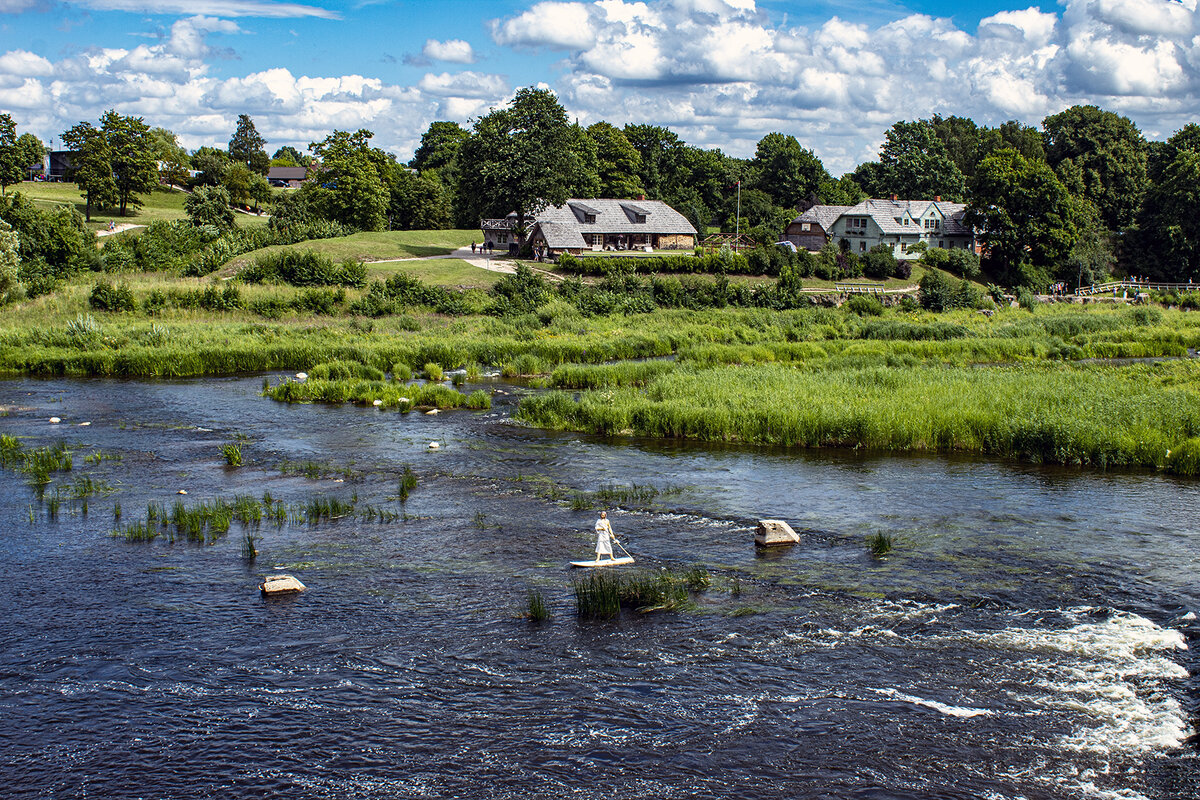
287, 173
560, 235
616, 216
886, 212
823, 216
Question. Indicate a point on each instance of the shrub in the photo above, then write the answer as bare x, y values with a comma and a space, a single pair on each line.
864, 305
304, 268
903, 270
963, 263
1025, 298
209, 205
106, 297
880, 262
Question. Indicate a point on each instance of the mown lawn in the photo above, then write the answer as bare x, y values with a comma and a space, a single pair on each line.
164, 204
377, 246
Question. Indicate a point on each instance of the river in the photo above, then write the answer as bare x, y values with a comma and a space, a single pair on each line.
1028, 636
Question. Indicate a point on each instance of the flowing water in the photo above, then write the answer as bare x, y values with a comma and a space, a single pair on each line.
1027, 637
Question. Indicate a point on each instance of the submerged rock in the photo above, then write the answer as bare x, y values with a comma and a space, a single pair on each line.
431, 412
281, 584
774, 532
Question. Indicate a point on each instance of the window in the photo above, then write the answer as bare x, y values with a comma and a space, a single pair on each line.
804, 226
862, 247
904, 247
589, 219
501, 238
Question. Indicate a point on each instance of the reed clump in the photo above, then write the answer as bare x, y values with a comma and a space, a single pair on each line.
601, 594
536, 608
880, 544
232, 453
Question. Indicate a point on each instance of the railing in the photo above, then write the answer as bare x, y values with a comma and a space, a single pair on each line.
871, 288
1137, 286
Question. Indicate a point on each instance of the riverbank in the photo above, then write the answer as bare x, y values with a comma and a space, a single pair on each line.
1009, 384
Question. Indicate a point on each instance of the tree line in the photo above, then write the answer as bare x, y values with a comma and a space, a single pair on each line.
1081, 198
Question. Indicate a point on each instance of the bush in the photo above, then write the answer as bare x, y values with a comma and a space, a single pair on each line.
209, 205
963, 263
106, 297
903, 270
880, 262
864, 305
1025, 298
304, 268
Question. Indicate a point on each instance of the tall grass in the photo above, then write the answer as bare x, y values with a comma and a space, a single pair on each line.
601, 594
1082, 415
404, 397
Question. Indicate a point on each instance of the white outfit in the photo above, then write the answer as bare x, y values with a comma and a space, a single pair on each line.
604, 534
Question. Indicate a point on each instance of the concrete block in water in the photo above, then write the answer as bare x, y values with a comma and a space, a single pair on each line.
774, 532
281, 584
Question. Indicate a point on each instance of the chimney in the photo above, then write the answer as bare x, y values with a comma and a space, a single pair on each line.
642, 197
893, 197
937, 198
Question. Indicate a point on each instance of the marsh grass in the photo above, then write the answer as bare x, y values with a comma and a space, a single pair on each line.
408, 482
249, 550
404, 397
880, 544
232, 453
315, 470
536, 609
601, 594
1066, 414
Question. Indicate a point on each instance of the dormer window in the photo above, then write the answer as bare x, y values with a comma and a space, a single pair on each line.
589, 219
639, 218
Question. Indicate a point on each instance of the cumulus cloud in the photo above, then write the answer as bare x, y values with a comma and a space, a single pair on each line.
213, 8
455, 51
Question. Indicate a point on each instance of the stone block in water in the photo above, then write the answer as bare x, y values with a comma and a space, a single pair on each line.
774, 532
281, 584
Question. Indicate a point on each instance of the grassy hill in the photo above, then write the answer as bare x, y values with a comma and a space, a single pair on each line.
163, 203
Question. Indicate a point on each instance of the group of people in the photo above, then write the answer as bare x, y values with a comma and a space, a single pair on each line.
483, 247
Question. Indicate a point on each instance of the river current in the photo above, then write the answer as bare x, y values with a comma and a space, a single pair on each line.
1031, 635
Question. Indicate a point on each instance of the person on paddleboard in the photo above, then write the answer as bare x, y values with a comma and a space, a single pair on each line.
604, 536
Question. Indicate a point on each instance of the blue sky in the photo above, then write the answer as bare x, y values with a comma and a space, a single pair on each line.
722, 73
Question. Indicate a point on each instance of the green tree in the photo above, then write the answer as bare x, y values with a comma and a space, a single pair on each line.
521, 159
418, 202
962, 138
173, 161
210, 165
1161, 154
1101, 157
1027, 219
209, 205
1167, 241
33, 153
288, 156
91, 166
439, 146
789, 173
842, 192
10, 263
870, 178
133, 167
354, 191
915, 164
618, 162
662, 155
237, 183
12, 167
260, 191
247, 146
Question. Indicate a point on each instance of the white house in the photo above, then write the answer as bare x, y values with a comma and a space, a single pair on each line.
898, 223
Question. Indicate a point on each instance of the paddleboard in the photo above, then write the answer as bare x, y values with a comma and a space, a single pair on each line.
604, 562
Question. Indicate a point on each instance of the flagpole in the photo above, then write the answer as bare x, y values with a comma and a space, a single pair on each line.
737, 227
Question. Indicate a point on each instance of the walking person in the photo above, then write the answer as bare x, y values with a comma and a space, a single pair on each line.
604, 536
472, 248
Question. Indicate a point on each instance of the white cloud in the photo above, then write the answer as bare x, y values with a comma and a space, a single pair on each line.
463, 84
565, 26
455, 51
214, 8
24, 64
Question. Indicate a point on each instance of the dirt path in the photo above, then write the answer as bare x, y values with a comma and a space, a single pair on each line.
463, 254
124, 226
